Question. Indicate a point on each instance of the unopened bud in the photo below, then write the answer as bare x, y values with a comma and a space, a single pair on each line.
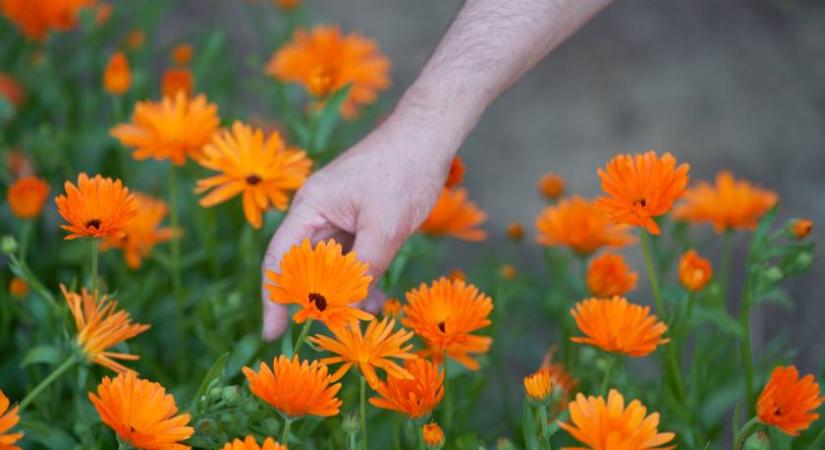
8, 245
230, 395
350, 423
758, 441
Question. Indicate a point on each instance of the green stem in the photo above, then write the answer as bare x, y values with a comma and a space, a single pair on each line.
95, 257
725, 263
747, 358
46, 382
748, 429
608, 373
448, 399
302, 337
363, 413
25, 235
285, 435
180, 300
545, 438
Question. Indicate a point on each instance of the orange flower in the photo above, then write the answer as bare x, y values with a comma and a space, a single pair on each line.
508, 272
35, 18
640, 187
609, 275
580, 225
454, 215
18, 287
551, 186
416, 397
117, 78
249, 443
392, 308
456, 174
731, 204
11, 90
102, 13
789, 402
457, 275
182, 54
97, 207
432, 435
515, 231
694, 271
135, 39
8, 419
27, 196
370, 350
324, 282
141, 413
445, 314
610, 425
177, 80
295, 388
143, 232
616, 325
801, 228
100, 326
324, 61
562, 379
257, 166
539, 385
173, 128
287, 5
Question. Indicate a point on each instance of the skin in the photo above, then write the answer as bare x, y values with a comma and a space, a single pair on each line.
377, 193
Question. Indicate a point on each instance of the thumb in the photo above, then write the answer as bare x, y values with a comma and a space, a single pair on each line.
377, 248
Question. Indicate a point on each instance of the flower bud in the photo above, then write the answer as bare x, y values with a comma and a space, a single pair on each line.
271, 426
230, 395
758, 441
350, 423
772, 274
8, 245
433, 436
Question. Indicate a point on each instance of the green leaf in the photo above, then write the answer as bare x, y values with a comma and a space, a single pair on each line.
327, 118
51, 438
720, 319
531, 435
244, 351
42, 354
214, 372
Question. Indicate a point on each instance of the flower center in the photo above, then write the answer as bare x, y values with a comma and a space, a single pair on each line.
319, 301
252, 180
442, 326
642, 202
321, 81
94, 223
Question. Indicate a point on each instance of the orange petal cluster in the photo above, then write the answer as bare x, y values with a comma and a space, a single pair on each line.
97, 207
579, 224
36, 18
8, 419
618, 326
609, 275
143, 232
295, 388
789, 402
27, 196
414, 397
249, 443
695, 272
117, 77
455, 215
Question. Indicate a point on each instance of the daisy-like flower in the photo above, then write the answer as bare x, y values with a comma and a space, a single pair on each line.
249, 443
729, 205
324, 60
143, 232
445, 315
8, 419
101, 326
259, 167
455, 215
456, 174
295, 388
27, 196
801, 228
35, 18
551, 186
618, 326
789, 402
416, 397
370, 350
432, 435
580, 225
177, 80
117, 77
609, 275
695, 272
610, 425
173, 128
11, 90
641, 187
141, 413
97, 207
539, 385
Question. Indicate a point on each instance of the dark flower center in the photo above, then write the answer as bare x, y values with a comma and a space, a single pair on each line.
641, 203
442, 326
252, 180
94, 223
319, 301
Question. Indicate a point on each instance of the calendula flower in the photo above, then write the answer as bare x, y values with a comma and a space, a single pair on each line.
515, 231
287, 5
18, 287
135, 39
173, 128
456, 216
392, 308
8, 419
610, 425
508, 272
141, 413
641, 187
609, 275
177, 80
11, 90
117, 78
371, 350
101, 326
562, 379
456, 174
295, 388
539, 386
432, 435
97, 207
729, 205
416, 397
143, 232
27, 196
182, 54
580, 225
260, 168
36, 18
694, 271
618, 326
789, 402
551, 186
445, 315
249, 443
324, 60
801, 228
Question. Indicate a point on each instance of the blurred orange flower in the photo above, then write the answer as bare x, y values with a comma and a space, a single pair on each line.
182, 54
8, 419
141, 413
551, 186
18, 287
324, 61
35, 18
580, 225
117, 78
562, 379
27, 196
801, 228
508, 272
445, 315
515, 231
789, 402
143, 232
457, 274
539, 385
11, 90
103, 12
249, 443
97, 207
287, 5
295, 388
432, 435
414, 397
618, 326
392, 308
456, 174
640, 187
609, 275
454, 215
729, 205
135, 39
177, 80
695, 272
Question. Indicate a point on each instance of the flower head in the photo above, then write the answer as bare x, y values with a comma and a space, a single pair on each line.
515, 231
323, 281
141, 413
580, 225
694, 271
392, 308
456, 174
97, 207
27, 196
432, 435
508, 272
35, 18
11, 90
295, 388
135, 39
18, 287
287, 5
445, 314
249, 443
414, 397
454, 215
610, 425
640, 187
177, 80
789, 402
562, 379
8, 419
539, 385
609, 275
801, 228
143, 232
616, 325
117, 77
551, 186
260, 168
182, 54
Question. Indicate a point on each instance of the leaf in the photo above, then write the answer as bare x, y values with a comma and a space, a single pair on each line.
51, 438
327, 118
720, 319
42, 354
531, 435
244, 351
214, 372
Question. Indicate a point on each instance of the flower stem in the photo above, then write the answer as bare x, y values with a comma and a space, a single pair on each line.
545, 438
302, 337
285, 435
180, 300
448, 399
747, 358
608, 373
748, 429
95, 257
47, 381
725, 262
363, 413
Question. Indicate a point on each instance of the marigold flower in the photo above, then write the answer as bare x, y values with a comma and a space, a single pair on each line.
392, 308
609, 275
35, 18
551, 186
616, 325
610, 425
259, 167
177, 80
249, 443
18, 287
370, 350
117, 78
694, 271
580, 225
97, 207
416, 397
143, 232
101, 326
539, 385
8, 419
173, 128
640, 187
287, 5
508, 272
562, 379
27, 196
454, 215
789, 402
801, 228
445, 315
11, 90
432, 435
515, 231
182, 54
141, 413
135, 39
730, 204
324, 60
295, 388
456, 174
